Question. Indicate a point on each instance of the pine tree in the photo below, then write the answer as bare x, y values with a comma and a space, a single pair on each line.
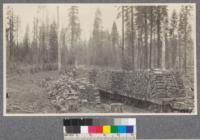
132, 37
115, 43
141, 23
17, 33
184, 31
42, 45
121, 14
74, 31
63, 47
10, 30
97, 38
26, 46
152, 20
173, 39
53, 43
160, 18
34, 45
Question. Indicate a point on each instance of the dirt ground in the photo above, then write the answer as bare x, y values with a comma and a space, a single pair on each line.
25, 95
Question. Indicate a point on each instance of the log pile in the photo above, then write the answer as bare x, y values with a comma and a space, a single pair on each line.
155, 86
160, 87
124, 83
164, 85
68, 94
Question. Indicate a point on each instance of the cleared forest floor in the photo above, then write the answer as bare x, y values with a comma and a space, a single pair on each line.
26, 94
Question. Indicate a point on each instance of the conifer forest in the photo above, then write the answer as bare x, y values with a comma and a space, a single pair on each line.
100, 58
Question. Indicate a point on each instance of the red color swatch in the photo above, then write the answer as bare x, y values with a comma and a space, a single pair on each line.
99, 129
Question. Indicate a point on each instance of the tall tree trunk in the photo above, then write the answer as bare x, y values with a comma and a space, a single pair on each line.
59, 52
146, 38
140, 44
138, 52
151, 30
173, 51
17, 35
132, 39
185, 50
159, 47
179, 51
11, 36
122, 36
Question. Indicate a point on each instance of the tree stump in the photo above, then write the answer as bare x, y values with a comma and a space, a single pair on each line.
116, 107
73, 104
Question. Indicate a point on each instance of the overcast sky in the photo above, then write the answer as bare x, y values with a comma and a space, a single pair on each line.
86, 15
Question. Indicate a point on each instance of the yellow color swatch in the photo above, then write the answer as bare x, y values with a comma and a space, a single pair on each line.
106, 129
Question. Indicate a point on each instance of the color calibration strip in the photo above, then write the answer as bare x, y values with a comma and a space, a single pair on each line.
110, 128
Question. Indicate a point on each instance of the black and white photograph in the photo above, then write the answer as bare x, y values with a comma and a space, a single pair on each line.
99, 59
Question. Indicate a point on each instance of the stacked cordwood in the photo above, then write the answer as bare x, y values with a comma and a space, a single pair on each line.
157, 86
